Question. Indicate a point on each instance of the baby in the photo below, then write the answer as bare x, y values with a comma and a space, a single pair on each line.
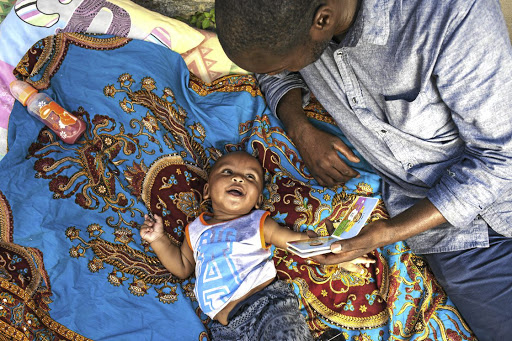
229, 250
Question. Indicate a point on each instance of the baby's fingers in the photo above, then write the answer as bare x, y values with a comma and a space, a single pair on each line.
352, 267
148, 221
145, 230
363, 260
158, 219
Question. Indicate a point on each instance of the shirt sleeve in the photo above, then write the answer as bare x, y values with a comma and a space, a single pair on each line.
264, 216
276, 86
474, 77
187, 237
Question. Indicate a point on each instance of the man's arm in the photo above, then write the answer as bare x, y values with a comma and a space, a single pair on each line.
318, 149
279, 235
418, 218
474, 81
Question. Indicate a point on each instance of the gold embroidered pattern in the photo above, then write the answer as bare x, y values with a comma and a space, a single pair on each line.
54, 49
229, 83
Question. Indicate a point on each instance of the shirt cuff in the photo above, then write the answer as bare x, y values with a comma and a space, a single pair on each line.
444, 197
275, 87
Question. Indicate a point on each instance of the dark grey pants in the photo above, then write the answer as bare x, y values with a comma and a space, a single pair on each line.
270, 314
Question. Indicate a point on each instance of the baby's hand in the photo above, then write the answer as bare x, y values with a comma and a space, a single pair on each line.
356, 265
151, 230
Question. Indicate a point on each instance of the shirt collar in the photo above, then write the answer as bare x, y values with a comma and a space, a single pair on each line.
372, 23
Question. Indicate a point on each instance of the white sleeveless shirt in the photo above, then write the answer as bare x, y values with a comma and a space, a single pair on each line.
231, 259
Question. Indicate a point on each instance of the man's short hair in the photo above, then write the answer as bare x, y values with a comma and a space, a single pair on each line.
276, 26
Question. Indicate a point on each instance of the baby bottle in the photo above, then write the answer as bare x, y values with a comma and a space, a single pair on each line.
67, 126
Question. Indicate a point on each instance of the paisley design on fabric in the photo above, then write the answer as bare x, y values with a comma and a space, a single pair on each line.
6, 222
228, 83
25, 290
48, 53
153, 131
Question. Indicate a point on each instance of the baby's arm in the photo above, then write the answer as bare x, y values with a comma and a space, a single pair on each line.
179, 261
279, 235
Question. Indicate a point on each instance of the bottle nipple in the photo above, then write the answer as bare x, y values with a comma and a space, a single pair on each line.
21, 90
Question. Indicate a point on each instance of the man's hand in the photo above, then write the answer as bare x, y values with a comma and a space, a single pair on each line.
372, 236
319, 150
353, 265
416, 219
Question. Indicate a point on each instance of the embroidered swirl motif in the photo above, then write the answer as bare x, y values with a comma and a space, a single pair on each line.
160, 158
24, 289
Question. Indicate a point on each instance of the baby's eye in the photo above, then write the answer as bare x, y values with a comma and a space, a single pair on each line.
227, 171
250, 176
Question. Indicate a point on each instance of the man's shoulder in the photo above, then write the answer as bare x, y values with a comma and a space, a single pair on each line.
431, 12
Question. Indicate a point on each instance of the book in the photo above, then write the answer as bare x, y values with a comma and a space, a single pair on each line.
349, 226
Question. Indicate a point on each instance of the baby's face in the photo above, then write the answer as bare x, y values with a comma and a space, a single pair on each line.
235, 184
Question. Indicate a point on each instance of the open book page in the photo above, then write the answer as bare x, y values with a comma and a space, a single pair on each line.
349, 226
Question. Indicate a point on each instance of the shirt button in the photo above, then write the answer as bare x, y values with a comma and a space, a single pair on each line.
409, 165
354, 100
383, 131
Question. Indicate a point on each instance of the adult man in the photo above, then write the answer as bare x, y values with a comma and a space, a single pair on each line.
423, 90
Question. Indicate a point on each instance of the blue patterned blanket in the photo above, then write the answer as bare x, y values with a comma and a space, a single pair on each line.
72, 263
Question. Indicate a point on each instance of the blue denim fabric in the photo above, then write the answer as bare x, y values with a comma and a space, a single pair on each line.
478, 282
423, 90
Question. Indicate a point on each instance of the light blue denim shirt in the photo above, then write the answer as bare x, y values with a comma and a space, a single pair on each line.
423, 89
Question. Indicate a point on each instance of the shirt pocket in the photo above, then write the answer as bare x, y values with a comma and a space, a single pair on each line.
421, 135
418, 115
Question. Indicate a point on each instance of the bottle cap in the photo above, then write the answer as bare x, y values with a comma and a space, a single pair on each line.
21, 90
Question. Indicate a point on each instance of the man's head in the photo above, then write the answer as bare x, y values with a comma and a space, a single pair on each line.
250, 31
235, 184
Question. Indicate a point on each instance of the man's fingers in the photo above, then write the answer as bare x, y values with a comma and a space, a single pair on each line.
336, 247
323, 179
330, 177
311, 234
345, 172
335, 173
345, 151
329, 226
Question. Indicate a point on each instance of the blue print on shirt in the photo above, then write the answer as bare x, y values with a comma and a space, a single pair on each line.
218, 276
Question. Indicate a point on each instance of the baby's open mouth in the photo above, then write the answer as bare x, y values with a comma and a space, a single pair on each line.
235, 192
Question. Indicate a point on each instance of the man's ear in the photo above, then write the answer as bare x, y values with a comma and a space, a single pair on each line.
323, 23
259, 203
206, 191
